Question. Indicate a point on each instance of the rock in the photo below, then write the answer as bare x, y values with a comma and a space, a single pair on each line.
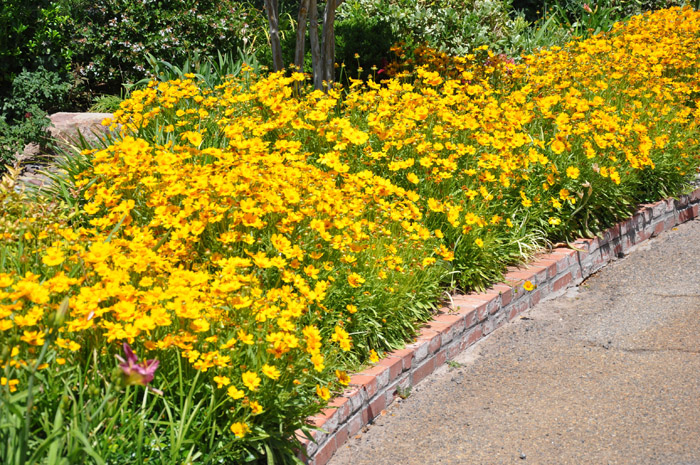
64, 129
65, 126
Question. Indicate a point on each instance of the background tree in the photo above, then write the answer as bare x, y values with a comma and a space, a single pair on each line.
322, 49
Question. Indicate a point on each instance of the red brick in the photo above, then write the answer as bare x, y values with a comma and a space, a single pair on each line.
517, 309
339, 408
325, 452
535, 297
420, 373
550, 264
474, 335
441, 357
658, 229
406, 355
642, 236
356, 422
540, 273
368, 383
376, 406
380, 373
342, 435
394, 364
455, 320
521, 275
472, 307
585, 244
317, 420
506, 293
612, 233
355, 395
670, 223
687, 214
561, 282
694, 196
455, 349
432, 334
627, 226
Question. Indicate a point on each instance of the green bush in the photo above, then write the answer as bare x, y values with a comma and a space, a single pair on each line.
452, 26
114, 36
32, 35
24, 113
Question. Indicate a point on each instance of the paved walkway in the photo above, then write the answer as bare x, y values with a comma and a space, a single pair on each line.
607, 374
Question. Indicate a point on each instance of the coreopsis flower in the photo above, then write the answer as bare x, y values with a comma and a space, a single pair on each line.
323, 392
355, 280
343, 377
53, 257
240, 429
373, 356
271, 371
251, 380
235, 393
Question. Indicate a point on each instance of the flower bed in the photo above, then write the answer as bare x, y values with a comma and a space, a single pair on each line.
260, 239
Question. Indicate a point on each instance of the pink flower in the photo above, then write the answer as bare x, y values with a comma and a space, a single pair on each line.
134, 372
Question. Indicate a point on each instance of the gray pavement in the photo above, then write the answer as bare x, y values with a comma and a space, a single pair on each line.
607, 374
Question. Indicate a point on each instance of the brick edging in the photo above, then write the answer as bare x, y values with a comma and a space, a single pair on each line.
471, 317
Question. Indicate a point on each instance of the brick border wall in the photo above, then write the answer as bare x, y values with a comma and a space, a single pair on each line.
471, 317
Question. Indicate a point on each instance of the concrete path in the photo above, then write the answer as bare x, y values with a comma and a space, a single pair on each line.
607, 374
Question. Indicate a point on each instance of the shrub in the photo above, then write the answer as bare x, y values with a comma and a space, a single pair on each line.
451, 26
34, 34
113, 36
23, 114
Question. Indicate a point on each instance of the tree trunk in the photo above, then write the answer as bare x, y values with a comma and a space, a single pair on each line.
301, 35
328, 42
315, 46
272, 9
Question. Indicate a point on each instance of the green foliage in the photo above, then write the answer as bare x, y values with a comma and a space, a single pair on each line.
23, 114
367, 36
212, 71
452, 26
114, 36
32, 34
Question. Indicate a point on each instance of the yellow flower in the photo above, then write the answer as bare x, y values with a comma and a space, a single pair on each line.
235, 393
34, 338
256, 407
554, 221
246, 338
351, 308
373, 357
342, 338
221, 381
271, 371
343, 377
251, 380
355, 280
54, 256
572, 172
479, 243
11, 384
240, 429
192, 137
317, 360
528, 286
323, 392
558, 146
